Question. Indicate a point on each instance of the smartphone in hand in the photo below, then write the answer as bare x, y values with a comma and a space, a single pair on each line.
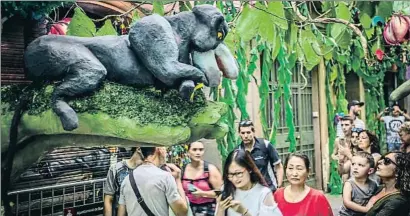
217, 192
191, 188
224, 195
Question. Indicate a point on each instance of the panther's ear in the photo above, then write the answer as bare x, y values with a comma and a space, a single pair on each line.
205, 13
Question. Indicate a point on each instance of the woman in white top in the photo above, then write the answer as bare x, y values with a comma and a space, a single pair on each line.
244, 191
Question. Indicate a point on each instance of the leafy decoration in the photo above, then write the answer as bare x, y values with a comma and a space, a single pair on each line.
117, 101
81, 25
158, 7
106, 29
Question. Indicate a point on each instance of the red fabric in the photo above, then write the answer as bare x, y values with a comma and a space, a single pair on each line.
314, 204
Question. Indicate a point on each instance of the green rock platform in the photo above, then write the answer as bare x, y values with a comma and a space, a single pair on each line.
114, 116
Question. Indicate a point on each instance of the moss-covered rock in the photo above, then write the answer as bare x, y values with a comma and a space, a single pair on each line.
143, 116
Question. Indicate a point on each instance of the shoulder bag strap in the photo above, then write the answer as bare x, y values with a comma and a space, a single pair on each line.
139, 197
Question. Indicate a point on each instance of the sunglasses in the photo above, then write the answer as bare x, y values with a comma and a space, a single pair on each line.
245, 123
387, 161
357, 130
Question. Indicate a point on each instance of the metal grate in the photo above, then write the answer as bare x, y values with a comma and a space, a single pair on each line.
301, 102
86, 197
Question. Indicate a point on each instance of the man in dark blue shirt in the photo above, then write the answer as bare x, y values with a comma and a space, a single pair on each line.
263, 153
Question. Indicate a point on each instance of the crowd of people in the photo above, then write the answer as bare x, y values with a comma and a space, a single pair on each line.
251, 182
374, 184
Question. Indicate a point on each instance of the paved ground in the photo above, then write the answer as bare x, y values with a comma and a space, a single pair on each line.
335, 201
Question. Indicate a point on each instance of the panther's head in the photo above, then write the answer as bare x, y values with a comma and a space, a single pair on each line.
210, 54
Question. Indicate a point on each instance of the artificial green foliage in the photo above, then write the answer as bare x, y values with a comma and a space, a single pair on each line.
229, 96
401, 6
158, 7
81, 25
340, 91
106, 29
308, 45
30, 9
119, 101
264, 88
285, 79
184, 6
242, 82
260, 21
335, 182
229, 99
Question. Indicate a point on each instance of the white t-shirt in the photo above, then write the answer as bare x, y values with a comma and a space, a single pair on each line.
392, 128
253, 200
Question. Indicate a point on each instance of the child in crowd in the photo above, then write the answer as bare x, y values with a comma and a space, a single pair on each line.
359, 188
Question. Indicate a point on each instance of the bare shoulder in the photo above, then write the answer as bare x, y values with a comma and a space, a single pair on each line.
212, 168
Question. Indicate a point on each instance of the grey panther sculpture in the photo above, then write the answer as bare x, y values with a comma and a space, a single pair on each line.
176, 51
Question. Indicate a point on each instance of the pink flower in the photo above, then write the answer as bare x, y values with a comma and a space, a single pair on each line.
379, 54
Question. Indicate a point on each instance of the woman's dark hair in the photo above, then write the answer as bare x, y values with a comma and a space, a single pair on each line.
403, 173
244, 159
190, 144
374, 141
302, 156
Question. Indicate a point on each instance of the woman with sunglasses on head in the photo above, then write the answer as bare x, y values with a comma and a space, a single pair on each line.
244, 191
199, 178
298, 198
392, 199
348, 152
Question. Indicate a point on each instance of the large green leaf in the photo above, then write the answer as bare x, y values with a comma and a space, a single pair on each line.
291, 36
279, 19
343, 40
333, 74
385, 9
266, 28
106, 29
342, 11
402, 6
366, 22
275, 47
184, 6
246, 25
312, 59
158, 7
81, 25
264, 23
338, 31
230, 41
366, 7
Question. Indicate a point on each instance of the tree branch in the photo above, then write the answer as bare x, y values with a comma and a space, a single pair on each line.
356, 30
120, 15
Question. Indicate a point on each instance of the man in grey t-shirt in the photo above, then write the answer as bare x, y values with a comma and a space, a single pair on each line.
393, 123
115, 176
160, 189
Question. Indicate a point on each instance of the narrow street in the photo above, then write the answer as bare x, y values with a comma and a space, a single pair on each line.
335, 201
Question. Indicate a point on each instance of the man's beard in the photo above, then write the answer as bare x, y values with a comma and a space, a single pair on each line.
356, 114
